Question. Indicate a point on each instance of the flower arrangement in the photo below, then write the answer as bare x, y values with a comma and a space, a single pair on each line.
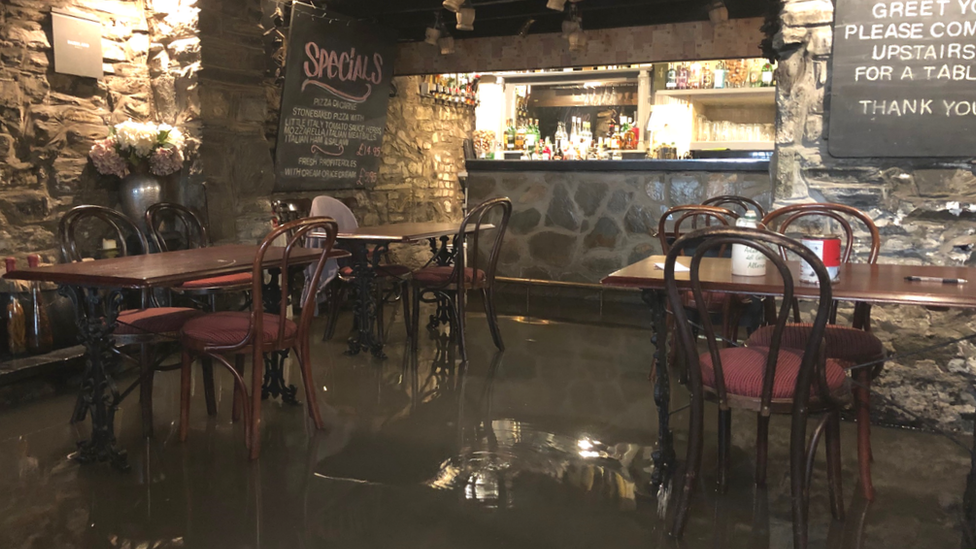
131, 145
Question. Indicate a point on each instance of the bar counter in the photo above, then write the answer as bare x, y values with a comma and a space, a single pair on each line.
577, 220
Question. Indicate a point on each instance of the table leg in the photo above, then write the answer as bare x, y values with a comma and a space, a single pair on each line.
442, 256
663, 456
364, 281
96, 313
274, 384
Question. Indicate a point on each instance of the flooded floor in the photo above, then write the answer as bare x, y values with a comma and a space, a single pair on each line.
544, 445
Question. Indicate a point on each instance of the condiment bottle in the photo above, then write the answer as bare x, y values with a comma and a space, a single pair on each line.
39, 336
16, 321
747, 261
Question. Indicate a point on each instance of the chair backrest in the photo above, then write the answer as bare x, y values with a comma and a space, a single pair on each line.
478, 240
289, 209
780, 220
129, 239
733, 202
192, 230
327, 206
765, 242
295, 234
691, 213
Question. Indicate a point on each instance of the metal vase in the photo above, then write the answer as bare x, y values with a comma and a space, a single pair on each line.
137, 192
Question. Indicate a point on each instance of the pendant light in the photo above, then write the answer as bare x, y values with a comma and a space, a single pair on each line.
434, 31
465, 16
453, 5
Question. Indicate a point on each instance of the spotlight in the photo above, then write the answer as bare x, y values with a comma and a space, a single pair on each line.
434, 31
718, 13
557, 5
577, 41
453, 5
465, 16
446, 44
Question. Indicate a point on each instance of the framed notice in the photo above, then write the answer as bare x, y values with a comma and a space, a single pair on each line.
903, 77
333, 105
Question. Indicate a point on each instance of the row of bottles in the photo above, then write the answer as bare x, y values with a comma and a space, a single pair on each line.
27, 335
459, 89
576, 143
730, 73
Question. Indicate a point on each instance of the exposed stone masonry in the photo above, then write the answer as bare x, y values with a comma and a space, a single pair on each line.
49, 121
579, 227
923, 209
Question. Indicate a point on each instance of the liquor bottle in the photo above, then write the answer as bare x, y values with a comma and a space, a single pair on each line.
682, 77
561, 137
695, 76
755, 80
520, 138
39, 336
719, 77
672, 78
708, 77
612, 128
767, 75
15, 319
547, 150
509, 135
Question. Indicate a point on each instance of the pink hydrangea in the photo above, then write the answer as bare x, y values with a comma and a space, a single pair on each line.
166, 160
107, 161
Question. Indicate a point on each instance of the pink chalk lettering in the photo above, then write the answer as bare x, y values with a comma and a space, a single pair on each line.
324, 67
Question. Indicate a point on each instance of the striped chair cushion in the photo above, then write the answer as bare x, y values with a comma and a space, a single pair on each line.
219, 281
744, 369
229, 328
843, 342
153, 321
436, 276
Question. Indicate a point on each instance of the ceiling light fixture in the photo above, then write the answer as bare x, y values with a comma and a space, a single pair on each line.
434, 31
465, 16
558, 5
453, 5
718, 13
446, 44
572, 21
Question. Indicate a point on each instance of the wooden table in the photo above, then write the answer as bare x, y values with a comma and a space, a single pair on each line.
95, 288
858, 282
364, 267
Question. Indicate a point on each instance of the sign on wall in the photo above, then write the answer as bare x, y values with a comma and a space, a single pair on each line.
903, 79
77, 44
333, 106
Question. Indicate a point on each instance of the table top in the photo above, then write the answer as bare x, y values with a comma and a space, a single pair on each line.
167, 268
881, 283
407, 232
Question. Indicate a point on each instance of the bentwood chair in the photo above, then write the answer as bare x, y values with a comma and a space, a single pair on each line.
853, 343
254, 332
337, 279
736, 203
451, 283
147, 326
728, 305
770, 379
186, 231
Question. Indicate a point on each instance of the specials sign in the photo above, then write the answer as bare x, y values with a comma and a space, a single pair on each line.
333, 105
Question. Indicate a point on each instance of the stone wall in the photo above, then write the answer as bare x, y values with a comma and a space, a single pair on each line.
672, 42
923, 209
581, 226
49, 121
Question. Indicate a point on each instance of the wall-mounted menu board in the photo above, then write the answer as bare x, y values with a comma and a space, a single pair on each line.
903, 78
333, 105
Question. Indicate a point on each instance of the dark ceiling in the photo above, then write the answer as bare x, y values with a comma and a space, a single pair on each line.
508, 17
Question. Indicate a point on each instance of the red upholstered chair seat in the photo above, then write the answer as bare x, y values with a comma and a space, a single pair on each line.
228, 328
436, 276
238, 279
843, 342
744, 369
153, 321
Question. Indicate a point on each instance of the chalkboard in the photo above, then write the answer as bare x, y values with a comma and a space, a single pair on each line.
902, 79
333, 105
